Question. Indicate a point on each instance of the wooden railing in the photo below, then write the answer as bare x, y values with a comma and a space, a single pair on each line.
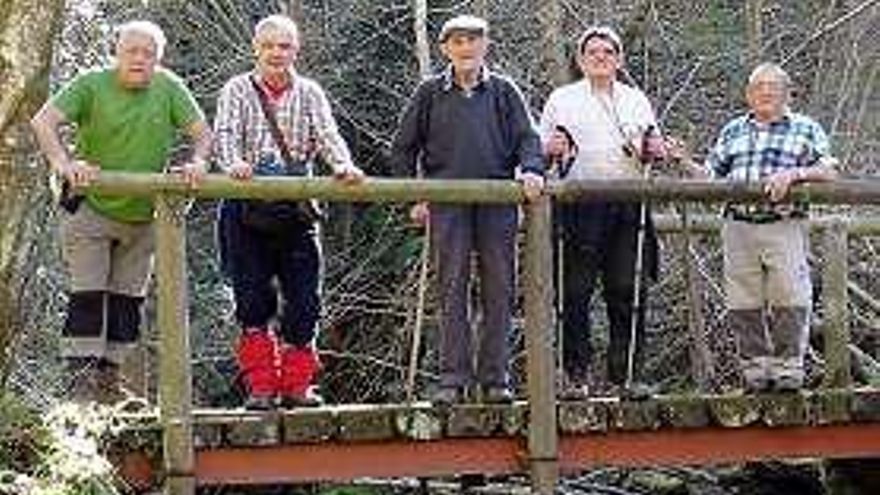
175, 388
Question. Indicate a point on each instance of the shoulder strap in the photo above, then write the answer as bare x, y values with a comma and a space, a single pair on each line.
308, 109
274, 129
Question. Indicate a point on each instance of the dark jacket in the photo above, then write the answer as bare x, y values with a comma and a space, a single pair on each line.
486, 134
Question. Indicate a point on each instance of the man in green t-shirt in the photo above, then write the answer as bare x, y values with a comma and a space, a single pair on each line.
127, 117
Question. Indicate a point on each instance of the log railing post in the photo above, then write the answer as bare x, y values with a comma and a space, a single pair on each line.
702, 363
835, 302
538, 285
175, 377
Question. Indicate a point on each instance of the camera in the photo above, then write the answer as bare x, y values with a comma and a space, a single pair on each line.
270, 164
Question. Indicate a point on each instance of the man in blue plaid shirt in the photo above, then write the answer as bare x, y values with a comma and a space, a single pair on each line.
766, 274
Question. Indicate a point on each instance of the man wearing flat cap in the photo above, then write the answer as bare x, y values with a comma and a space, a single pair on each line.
603, 128
470, 123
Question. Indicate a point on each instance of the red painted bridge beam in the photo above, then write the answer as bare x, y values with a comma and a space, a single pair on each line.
720, 445
345, 461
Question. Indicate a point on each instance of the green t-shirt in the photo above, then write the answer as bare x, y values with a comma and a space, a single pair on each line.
128, 130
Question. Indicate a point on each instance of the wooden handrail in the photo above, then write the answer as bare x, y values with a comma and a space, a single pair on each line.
385, 190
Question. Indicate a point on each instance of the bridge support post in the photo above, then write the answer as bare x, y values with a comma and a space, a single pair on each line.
175, 377
834, 293
543, 434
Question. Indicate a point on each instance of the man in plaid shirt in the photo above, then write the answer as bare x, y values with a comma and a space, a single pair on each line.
264, 242
767, 278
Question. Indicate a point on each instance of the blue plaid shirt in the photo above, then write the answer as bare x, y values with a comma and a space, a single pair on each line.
746, 152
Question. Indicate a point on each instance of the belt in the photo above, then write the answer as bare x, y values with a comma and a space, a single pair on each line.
761, 216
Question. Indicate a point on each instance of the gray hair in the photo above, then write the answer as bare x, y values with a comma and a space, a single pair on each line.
146, 28
772, 69
277, 21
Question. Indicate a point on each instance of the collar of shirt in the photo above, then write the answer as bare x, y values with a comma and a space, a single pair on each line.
785, 118
449, 79
615, 84
276, 93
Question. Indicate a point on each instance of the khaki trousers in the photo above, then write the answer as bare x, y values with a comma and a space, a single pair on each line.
769, 295
108, 261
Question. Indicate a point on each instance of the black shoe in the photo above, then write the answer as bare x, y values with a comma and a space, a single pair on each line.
447, 395
637, 391
574, 388
788, 385
758, 386
260, 403
497, 394
311, 398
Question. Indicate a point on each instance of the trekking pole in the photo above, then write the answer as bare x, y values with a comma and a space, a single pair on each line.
638, 269
559, 167
556, 166
416, 343
637, 285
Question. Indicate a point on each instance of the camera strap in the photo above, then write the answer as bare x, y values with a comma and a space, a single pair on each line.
274, 128
310, 208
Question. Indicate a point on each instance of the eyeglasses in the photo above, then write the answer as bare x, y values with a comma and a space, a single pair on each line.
597, 52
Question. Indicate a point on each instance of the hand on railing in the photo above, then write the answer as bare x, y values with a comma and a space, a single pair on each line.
351, 174
419, 214
192, 171
778, 185
240, 170
78, 172
533, 185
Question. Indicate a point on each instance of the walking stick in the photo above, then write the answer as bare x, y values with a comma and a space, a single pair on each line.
559, 168
420, 315
556, 165
637, 284
638, 269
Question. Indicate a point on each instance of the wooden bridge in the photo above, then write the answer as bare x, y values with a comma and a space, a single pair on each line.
540, 436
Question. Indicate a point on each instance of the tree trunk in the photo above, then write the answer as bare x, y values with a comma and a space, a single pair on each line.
294, 9
753, 33
27, 31
552, 63
420, 26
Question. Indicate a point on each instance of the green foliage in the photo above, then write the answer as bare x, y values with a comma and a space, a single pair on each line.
22, 436
65, 446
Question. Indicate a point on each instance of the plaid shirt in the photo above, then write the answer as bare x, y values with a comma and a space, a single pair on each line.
304, 116
746, 152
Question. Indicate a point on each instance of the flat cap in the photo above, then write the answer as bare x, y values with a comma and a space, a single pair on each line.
463, 23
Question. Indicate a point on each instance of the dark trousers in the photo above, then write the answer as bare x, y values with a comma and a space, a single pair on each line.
490, 232
599, 242
261, 264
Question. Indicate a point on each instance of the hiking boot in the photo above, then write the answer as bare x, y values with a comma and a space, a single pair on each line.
309, 398
446, 396
788, 384
298, 368
497, 394
637, 391
758, 385
257, 356
574, 389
